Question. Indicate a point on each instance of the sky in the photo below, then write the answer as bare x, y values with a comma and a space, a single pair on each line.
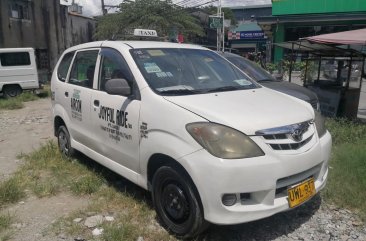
93, 7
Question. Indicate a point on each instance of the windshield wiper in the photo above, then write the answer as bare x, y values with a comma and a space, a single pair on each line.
180, 92
224, 88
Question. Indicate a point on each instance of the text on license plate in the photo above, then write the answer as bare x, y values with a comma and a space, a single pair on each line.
301, 192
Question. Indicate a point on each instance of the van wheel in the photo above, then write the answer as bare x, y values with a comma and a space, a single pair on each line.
176, 203
11, 91
64, 143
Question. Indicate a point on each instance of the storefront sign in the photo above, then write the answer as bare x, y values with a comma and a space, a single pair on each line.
251, 34
246, 35
215, 21
289, 7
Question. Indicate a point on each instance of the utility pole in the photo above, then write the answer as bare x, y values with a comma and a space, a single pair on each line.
104, 10
220, 32
223, 31
218, 41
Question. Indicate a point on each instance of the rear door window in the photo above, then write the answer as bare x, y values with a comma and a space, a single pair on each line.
64, 66
82, 72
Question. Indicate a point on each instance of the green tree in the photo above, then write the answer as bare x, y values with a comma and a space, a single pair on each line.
163, 16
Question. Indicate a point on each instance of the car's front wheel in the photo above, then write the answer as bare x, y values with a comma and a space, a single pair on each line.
64, 142
177, 203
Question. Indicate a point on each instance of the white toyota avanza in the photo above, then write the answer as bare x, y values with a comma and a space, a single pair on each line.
211, 145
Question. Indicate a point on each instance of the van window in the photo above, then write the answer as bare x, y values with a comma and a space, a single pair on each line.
15, 59
64, 66
82, 72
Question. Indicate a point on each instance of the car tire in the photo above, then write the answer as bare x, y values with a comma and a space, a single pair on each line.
177, 203
10, 91
64, 142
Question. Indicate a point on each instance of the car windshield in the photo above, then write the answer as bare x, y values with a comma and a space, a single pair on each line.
252, 69
171, 71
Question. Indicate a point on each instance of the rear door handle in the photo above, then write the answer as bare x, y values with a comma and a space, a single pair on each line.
96, 103
67, 94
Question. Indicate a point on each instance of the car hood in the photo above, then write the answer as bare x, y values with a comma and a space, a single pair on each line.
291, 89
247, 110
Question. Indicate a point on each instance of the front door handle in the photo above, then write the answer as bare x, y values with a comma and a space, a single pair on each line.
67, 94
96, 103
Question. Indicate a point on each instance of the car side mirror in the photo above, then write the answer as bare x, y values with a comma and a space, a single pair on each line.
118, 87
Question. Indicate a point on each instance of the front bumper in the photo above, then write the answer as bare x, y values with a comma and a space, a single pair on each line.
260, 183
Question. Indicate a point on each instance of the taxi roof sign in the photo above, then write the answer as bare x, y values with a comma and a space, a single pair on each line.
145, 33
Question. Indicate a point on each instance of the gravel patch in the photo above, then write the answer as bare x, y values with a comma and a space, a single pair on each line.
314, 220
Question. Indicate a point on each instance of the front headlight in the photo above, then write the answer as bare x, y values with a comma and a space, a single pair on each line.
222, 141
320, 124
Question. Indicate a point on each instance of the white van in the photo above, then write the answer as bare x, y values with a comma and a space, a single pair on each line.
212, 145
18, 71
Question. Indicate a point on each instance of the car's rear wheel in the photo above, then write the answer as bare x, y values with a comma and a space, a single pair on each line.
11, 91
177, 203
64, 142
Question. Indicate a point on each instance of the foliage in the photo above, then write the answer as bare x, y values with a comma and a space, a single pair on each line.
162, 16
347, 167
284, 67
11, 191
11, 104
346, 131
5, 221
46, 172
271, 67
17, 102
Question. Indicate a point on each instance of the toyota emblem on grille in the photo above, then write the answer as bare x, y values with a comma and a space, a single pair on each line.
299, 131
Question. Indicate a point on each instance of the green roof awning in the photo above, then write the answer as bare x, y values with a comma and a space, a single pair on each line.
247, 27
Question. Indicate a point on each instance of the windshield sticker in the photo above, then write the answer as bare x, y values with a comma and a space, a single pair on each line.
138, 52
141, 55
208, 60
243, 82
161, 75
151, 68
156, 52
76, 106
164, 74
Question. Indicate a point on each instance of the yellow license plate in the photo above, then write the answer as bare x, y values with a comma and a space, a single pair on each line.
300, 193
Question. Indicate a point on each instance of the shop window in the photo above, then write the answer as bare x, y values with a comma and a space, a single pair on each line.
19, 10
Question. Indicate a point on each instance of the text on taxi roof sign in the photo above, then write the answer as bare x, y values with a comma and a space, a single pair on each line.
145, 33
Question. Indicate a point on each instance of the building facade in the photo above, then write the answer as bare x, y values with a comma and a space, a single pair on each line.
247, 37
44, 25
294, 19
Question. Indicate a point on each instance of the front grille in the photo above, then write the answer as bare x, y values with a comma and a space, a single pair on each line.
289, 138
275, 137
290, 146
